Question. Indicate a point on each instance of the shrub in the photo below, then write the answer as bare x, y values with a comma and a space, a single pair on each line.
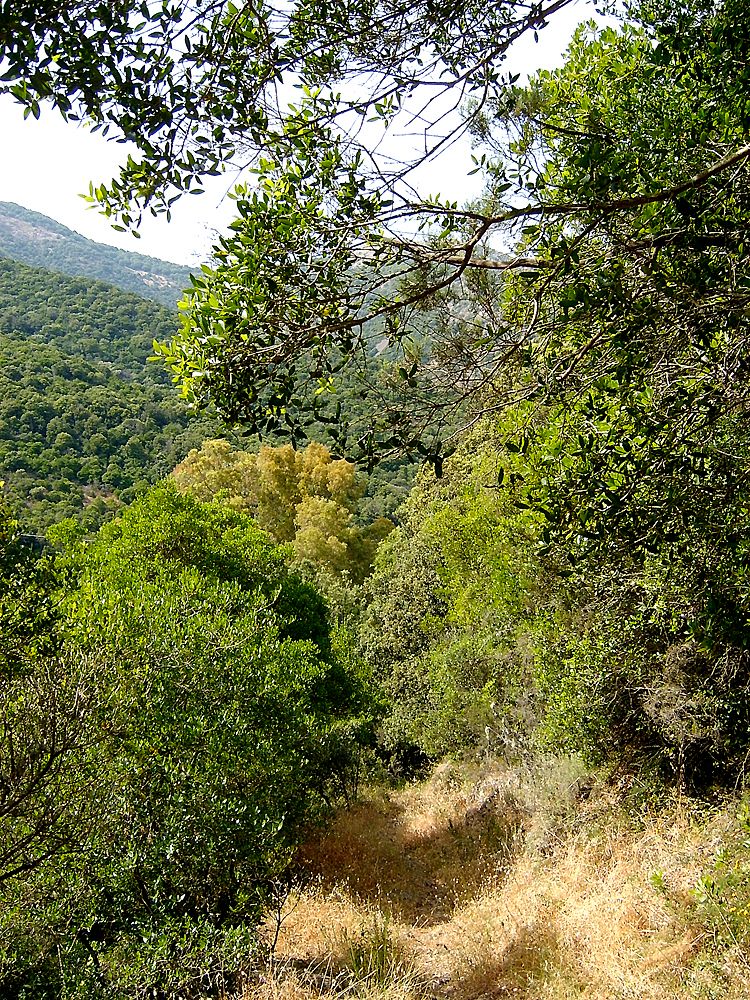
221, 726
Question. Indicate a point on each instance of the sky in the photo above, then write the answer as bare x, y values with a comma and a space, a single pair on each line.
47, 165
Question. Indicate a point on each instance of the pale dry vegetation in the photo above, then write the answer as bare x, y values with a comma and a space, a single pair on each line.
534, 883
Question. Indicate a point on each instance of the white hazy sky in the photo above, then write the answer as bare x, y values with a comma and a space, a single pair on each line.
47, 164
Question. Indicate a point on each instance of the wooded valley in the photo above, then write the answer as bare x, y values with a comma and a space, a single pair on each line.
377, 625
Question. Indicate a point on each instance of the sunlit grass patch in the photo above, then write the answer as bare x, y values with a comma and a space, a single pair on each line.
533, 883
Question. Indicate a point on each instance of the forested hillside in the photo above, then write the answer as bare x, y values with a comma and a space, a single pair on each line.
34, 239
84, 318
84, 418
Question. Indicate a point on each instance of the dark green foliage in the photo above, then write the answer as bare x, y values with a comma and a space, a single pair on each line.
660, 557
387, 487
621, 183
218, 726
44, 801
27, 580
84, 420
644, 337
34, 239
638, 466
488, 630
453, 591
577, 578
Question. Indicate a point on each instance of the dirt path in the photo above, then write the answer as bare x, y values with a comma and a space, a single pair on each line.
482, 889
394, 887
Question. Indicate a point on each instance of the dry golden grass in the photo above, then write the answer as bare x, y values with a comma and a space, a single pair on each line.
416, 853
494, 885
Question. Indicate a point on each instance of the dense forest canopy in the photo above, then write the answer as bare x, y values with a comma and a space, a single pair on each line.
85, 421
83, 318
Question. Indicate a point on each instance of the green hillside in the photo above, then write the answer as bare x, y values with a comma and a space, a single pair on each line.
83, 418
82, 317
34, 239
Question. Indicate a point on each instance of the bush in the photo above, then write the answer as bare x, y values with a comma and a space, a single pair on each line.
221, 726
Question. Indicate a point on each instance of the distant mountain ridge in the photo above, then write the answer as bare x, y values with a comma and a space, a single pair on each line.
35, 239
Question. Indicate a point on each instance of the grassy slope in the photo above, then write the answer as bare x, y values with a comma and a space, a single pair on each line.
532, 884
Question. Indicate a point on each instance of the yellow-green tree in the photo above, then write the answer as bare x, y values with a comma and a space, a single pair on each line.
217, 470
305, 498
